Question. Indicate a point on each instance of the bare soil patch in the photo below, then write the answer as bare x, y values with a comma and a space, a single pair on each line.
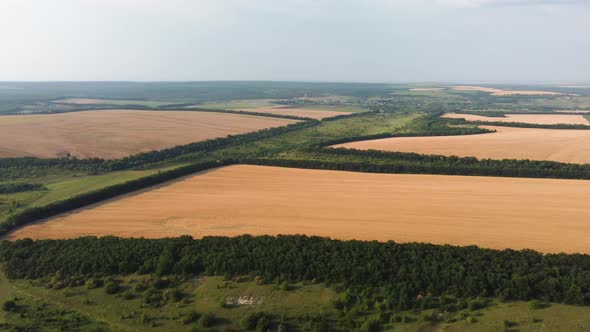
549, 119
501, 92
118, 133
563, 145
302, 112
543, 214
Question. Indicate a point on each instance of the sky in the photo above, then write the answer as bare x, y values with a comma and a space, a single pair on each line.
526, 41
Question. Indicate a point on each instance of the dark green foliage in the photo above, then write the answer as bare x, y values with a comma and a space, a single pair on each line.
207, 320
153, 298
111, 288
191, 317
11, 188
9, 305
405, 271
249, 321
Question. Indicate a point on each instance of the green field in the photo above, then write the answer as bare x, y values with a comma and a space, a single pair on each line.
65, 187
298, 306
147, 103
237, 104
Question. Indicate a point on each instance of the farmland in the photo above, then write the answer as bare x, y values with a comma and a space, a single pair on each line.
89, 101
569, 146
263, 200
502, 92
113, 134
388, 237
549, 119
302, 112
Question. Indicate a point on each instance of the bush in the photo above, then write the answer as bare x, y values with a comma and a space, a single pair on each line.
9, 306
476, 304
173, 295
371, 325
153, 297
207, 320
249, 321
536, 304
128, 295
111, 288
191, 317
94, 283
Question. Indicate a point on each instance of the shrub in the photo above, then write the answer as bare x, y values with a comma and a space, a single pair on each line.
476, 304
207, 320
153, 297
94, 283
9, 306
371, 325
191, 317
249, 321
536, 304
111, 288
173, 295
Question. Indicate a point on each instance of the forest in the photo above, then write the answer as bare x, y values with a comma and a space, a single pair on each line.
405, 273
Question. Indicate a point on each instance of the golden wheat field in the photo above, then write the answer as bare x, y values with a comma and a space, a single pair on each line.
502, 92
113, 134
543, 214
549, 119
563, 145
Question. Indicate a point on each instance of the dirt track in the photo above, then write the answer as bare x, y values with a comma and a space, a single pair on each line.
564, 145
542, 214
113, 134
549, 119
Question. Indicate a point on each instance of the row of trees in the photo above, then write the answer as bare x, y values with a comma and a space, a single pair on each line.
35, 213
11, 188
406, 273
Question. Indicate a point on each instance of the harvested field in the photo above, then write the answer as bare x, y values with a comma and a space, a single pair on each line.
118, 133
548, 119
543, 214
564, 145
501, 92
302, 112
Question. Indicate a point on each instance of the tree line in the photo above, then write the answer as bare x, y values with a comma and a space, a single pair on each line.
11, 188
405, 272
35, 213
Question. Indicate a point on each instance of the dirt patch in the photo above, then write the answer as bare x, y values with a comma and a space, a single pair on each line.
549, 119
564, 145
543, 214
113, 134
296, 111
501, 92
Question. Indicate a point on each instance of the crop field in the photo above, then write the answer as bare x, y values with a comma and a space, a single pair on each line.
542, 214
112, 134
563, 145
502, 92
524, 118
302, 112
90, 101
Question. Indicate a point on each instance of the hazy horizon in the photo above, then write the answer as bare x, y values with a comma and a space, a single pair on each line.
373, 41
